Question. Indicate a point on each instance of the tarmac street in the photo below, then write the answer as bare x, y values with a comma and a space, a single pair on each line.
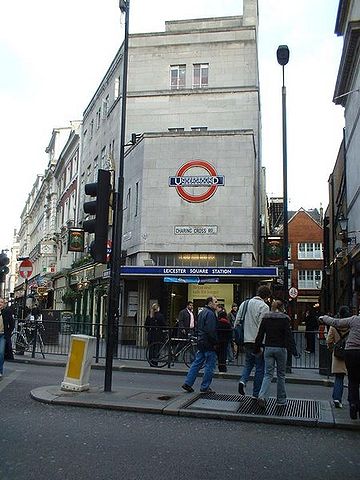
42, 441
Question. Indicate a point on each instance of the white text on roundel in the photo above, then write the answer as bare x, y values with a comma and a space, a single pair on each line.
205, 185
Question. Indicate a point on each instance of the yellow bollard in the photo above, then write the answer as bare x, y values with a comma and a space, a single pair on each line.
78, 365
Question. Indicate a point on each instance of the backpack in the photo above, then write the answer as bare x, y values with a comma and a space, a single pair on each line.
339, 346
239, 329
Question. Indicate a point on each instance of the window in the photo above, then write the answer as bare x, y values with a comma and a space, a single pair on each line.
136, 199
98, 118
105, 107
177, 76
176, 129
199, 129
91, 128
309, 279
307, 251
201, 75
127, 205
103, 158
117, 88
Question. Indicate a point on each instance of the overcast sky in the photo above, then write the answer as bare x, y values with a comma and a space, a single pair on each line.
54, 54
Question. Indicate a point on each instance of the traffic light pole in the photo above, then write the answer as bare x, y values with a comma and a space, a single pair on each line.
115, 263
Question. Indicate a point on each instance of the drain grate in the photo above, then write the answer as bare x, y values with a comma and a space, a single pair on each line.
243, 405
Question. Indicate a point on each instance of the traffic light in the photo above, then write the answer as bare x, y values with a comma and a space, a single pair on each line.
99, 208
4, 270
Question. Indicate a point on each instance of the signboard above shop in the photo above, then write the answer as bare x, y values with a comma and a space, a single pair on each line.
256, 272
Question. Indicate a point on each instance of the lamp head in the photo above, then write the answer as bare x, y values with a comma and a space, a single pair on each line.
282, 54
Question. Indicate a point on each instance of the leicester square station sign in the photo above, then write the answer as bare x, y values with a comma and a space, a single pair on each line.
210, 181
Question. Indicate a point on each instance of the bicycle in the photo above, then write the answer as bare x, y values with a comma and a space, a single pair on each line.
159, 354
29, 331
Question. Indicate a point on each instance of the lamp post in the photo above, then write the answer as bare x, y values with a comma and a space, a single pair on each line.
282, 55
115, 262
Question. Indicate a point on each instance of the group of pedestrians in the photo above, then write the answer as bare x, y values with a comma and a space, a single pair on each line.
268, 340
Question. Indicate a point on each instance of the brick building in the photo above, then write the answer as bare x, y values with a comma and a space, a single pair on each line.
306, 254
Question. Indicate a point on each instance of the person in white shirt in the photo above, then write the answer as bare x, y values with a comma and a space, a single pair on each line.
256, 309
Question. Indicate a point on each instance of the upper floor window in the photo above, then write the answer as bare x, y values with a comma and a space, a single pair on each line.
177, 76
105, 106
98, 118
307, 251
117, 88
201, 75
309, 279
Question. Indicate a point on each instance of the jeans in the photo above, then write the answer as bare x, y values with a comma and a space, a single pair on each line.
274, 355
352, 362
2, 352
209, 358
252, 361
338, 386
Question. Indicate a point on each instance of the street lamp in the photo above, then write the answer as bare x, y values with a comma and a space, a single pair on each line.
115, 262
282, 55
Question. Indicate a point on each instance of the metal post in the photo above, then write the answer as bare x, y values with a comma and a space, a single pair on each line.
35, 338
283, 55
24, 302
115, 263
285, 199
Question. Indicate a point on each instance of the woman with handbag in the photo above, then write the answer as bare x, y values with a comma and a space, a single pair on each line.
352, 357
338, 367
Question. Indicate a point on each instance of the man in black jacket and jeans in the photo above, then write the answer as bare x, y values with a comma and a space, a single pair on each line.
207, 339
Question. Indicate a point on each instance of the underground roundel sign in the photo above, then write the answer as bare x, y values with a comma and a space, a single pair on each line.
204, 178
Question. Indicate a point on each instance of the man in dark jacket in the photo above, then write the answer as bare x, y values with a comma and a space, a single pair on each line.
6, 327
186, 320
207, 339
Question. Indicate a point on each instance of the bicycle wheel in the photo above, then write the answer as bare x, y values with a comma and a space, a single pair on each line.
18, 342
157, 354
189, 354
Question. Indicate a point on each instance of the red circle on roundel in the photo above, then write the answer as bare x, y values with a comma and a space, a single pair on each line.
204, 196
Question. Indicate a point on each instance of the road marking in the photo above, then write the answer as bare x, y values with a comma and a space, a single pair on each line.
9, 379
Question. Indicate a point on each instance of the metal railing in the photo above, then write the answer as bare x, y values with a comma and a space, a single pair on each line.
133, 340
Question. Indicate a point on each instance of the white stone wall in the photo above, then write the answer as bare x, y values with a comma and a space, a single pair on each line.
231, 208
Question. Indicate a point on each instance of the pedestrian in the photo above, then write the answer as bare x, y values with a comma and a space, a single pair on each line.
232, 317
9, 324
206, 355
352, 357
256, 309
154, 325
6, 327
311, 327
186, 320
275, 327
338, 367
224, 332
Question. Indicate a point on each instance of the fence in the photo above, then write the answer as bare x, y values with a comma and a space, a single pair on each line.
132, 342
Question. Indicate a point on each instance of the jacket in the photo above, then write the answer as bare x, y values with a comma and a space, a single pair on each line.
255, 311
353, 323
337, 365
207, 329
153, 327
224, 330
275, 326
184, 319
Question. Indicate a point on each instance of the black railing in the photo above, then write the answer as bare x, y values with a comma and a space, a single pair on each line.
133, 342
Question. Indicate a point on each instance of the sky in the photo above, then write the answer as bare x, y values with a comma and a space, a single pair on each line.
53, 56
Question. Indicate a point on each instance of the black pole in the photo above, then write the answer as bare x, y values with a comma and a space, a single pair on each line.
285, 199
24, 301
115, 263
283, 55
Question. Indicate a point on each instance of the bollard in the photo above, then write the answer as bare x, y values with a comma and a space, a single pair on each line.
78, 365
